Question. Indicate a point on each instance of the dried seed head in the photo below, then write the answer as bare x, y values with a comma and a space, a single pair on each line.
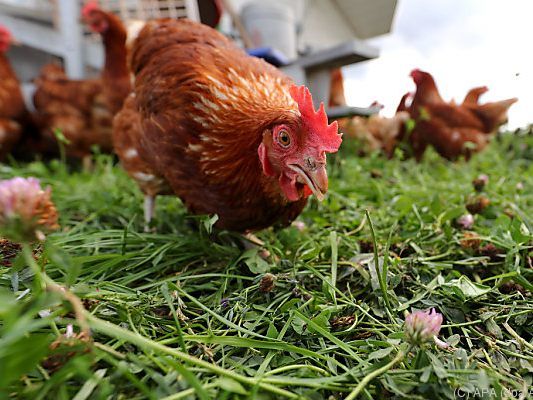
366, 246
470, 240
491, 251
480, 182
477, 204
26, 210
376, 173
511, 287
342, 322
267, 283
8, 251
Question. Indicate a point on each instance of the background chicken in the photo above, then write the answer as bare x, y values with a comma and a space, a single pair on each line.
446, 126
337, 97
227, 131
13, 113
453, 130
83, 109
373, 133
377, 132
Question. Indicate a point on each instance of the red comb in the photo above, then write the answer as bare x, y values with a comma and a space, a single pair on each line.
419, 76
89, 7
5, 35
324, 136
377, 104
415, 72
5, 31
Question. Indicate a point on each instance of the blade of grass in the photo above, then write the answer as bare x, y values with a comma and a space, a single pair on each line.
334, 259
381, 274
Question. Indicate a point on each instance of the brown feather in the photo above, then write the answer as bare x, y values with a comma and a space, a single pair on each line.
126, 136
473, 95
13, 111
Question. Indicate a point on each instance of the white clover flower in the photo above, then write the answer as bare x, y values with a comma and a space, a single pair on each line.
422, 326
26, 210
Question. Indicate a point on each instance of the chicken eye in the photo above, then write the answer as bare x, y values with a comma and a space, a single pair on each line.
284, 138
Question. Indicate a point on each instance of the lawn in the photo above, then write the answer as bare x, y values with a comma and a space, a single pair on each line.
184, 312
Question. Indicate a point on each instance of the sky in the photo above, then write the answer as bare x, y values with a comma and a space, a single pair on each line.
462, 43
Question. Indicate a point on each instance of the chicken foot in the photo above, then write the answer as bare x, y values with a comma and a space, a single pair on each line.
250, 241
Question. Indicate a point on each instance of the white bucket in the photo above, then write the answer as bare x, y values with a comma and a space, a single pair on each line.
271, 25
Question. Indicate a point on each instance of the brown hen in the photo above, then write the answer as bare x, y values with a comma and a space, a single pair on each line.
453, 130
229, 133
83, 109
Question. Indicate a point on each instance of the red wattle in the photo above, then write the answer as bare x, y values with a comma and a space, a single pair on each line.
289, 188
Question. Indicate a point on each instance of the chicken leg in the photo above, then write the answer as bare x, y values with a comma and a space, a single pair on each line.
149, 209
87, 163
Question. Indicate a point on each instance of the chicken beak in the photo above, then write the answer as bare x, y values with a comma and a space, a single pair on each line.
314, 175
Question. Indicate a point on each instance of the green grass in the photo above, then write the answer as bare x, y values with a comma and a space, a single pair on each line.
178, 314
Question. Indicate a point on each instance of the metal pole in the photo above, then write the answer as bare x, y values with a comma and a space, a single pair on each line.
72, 37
